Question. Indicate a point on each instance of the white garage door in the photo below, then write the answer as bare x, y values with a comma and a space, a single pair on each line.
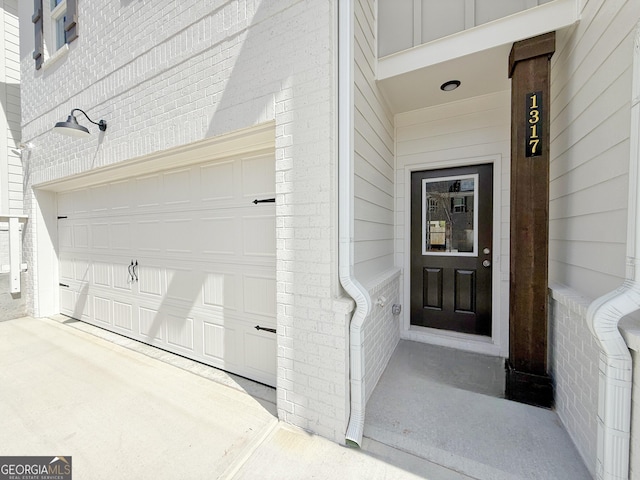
181, 259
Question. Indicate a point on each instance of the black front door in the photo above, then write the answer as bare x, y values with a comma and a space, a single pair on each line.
451, 248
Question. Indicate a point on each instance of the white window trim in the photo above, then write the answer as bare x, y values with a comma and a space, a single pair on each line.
60, 53
50, 17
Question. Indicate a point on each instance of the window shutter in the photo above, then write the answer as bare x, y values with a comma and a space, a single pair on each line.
37, 25
71, 20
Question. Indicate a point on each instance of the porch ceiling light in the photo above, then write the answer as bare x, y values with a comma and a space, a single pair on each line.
72, 128
450, 85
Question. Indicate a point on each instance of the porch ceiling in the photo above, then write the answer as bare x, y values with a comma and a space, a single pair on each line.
477, 57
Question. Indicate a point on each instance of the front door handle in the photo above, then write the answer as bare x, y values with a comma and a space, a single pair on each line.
486, 263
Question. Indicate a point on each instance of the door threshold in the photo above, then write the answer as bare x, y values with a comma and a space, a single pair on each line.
459, 341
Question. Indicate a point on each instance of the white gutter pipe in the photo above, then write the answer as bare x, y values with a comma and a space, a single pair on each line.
355, 427
603, 315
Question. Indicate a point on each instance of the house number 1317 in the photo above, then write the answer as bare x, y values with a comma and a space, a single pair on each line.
533, 145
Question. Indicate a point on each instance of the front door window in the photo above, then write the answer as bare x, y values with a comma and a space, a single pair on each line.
449, 215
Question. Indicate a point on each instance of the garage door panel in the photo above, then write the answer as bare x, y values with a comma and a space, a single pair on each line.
82, 307
65, 203
152, 324
205, 262
180, 331
65, 236
121, 278
150, 279
120, 198
258, 176
81, 270
102, 310
66, 268
100, 236
178, 236
220, 290
67, 301
149, 236
177, 188
259, 235
102, 274
260, 352
80, 199
100, 199
217, 182
217, 236
184, 285
148, 191
220, 344
120, 236
81, 236
259, 295
123, 315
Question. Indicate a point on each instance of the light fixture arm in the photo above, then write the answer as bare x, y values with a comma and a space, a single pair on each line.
102, 124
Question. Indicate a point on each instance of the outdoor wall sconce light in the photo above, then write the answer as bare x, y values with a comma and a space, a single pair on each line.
450, 85
72, 128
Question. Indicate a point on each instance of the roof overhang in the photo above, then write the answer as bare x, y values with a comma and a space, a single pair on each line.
477, 57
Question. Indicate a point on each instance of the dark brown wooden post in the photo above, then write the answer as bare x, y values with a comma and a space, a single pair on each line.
528, 380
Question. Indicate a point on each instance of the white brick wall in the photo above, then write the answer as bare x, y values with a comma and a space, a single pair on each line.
574, 368
381, 328
171, 76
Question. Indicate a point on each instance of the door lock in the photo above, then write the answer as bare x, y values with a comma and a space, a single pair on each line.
486, 251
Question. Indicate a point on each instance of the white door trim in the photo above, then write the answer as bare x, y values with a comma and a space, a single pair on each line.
498, 343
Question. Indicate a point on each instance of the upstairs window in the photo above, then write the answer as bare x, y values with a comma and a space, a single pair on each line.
58, 36
55, 26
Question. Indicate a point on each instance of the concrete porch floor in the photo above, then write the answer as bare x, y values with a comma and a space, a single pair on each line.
443, 405
122, 409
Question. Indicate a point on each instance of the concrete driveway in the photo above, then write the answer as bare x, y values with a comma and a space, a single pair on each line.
122, 414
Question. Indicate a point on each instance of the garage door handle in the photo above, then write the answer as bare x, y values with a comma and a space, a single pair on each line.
272, 330
266, 200
130, 272
133, 274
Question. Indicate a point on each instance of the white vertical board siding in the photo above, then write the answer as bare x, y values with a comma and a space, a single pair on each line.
373, 190
373, 230
409, 23
12, 104
11, 170
590, 121
10, 165
443, 136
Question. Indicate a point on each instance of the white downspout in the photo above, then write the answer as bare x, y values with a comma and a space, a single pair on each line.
603, 315
345, 220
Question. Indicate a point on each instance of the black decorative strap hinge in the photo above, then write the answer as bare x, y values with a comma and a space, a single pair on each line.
272, 330
61, 216
266, 200
63, 285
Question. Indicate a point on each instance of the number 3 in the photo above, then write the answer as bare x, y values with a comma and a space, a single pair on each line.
535, 116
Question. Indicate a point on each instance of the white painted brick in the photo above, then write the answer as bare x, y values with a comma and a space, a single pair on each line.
167, 77
574, 369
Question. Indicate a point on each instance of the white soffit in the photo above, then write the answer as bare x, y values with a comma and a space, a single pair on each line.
478, 57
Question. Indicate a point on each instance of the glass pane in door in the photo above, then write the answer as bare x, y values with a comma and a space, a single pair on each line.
449, 216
